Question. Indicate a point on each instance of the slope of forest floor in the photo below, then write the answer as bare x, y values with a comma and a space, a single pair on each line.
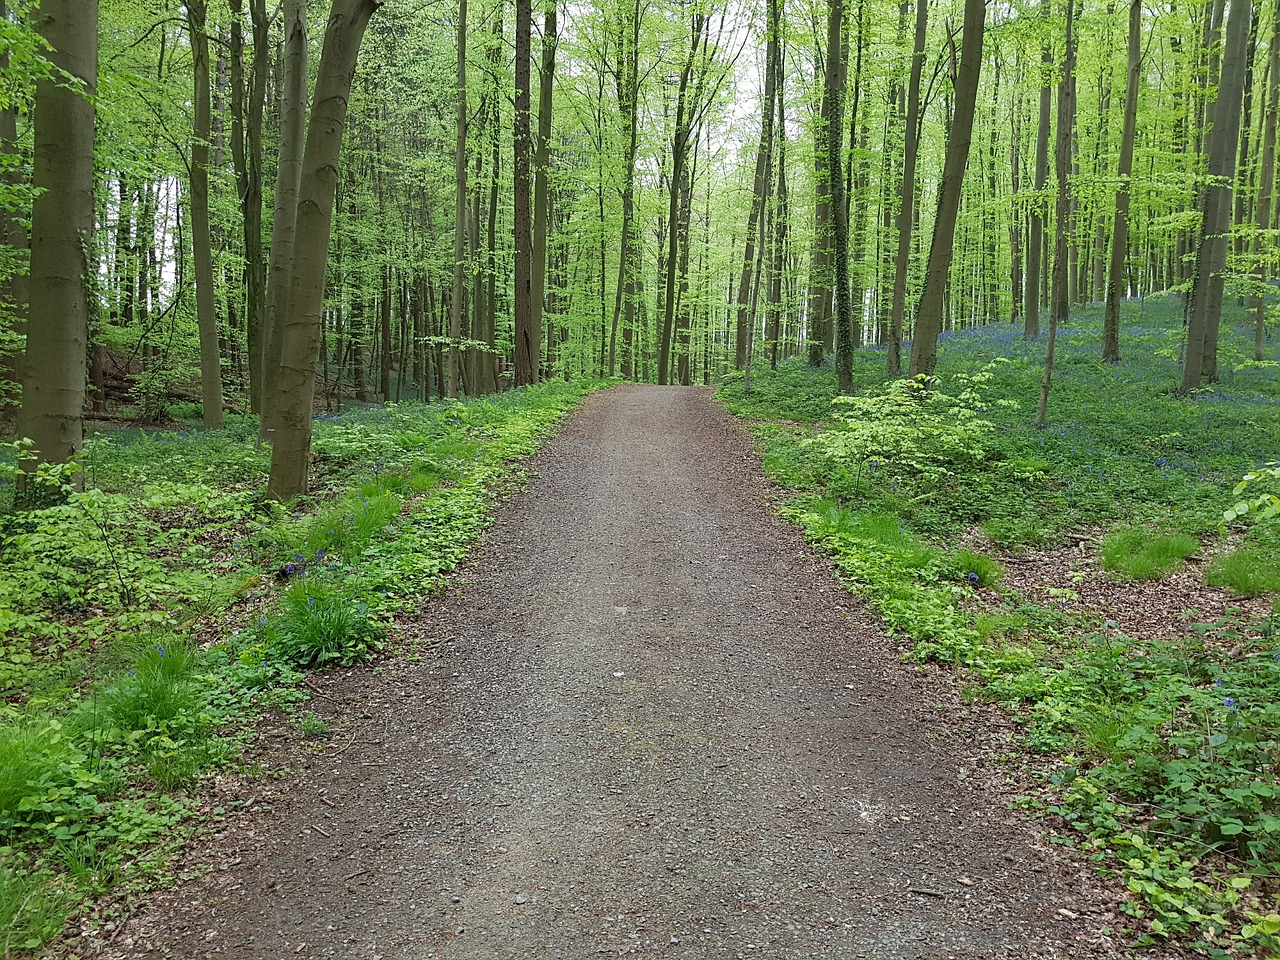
1079, 582
153, 624
647, 722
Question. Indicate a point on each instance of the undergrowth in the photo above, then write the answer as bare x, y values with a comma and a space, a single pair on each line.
145, 621
1161, 753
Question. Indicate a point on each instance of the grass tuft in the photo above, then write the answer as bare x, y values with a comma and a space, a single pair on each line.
319, 625
1246, 572
31, 912
1138, 554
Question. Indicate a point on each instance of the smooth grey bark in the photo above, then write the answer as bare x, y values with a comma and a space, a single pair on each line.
541, 163
201, 237
1035, 242
291, 452
284, 218
924, 346
53, 387
527, 335
1266, 188
907, 191
759, 194
834, 81
459, 290
1204, 311
1062, 221
1124, 171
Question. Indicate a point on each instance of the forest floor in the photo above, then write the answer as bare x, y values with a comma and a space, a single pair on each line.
644, 720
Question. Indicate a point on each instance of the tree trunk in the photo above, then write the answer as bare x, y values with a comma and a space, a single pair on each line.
1205, 308
679, 161
201, 239
907, 192
291, 454
460, 207
527, 333
293, 122
1120, 229
759, 196
834, 92
1062, 168
924, 346
541, 162
628, 79
53, 390
1035, 243
1266, 190
13, 233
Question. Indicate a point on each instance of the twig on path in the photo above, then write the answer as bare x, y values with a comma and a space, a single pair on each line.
323, 832
320, 693
326, 801
352, 876
926, 892
348, 746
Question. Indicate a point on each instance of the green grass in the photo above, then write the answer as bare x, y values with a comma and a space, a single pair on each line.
1246, 572
147, 622
1134, 553
1161, 752
31, 912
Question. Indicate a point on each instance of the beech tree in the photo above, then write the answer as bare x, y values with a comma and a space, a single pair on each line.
57, 329
291, 452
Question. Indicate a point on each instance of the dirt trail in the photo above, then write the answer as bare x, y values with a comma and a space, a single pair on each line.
653, 724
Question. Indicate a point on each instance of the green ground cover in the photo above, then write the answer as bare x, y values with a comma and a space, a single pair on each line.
1161, 752
145, 622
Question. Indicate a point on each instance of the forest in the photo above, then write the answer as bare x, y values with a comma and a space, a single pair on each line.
291, 292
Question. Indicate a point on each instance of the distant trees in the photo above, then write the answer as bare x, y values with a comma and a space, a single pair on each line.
601, 203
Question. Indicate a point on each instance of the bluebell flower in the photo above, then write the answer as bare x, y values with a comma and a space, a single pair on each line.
290, 568
974, 578
1229, 701
160, 650
1217, 683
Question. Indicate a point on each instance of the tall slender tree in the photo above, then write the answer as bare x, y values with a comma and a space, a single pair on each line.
303, 319
528, 335
1124, 171
924, 346
907, 191
1204, 310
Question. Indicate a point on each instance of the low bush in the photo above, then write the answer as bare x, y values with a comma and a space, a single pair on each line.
1246, 572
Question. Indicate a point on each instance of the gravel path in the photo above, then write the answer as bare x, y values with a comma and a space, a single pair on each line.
649, 722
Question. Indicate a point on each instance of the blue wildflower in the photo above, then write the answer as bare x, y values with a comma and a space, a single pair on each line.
974, 578
1217, 683
290, 568
1229, 701
160, 650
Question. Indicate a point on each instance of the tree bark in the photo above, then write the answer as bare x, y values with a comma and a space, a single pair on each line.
1266, 190
1124, 171
53, 390
201, 239
527, 335
1035, 243
1205, 308
924, 346
291, 454
454, 372
759, 193
246, 153
541, 162
13, 233
907, 192
834, 92
284, 218
627, 83
1062, 169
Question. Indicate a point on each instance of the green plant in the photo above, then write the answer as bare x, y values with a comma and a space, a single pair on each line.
321, 625
1246, 572
314, 726
975, 569
162, 692
40, 770
32, 911
1140, 554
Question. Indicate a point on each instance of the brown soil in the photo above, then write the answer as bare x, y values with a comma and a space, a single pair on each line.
648, 721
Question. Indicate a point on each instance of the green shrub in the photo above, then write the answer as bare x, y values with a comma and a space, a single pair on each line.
319, 625
1138, 554
1246, 572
